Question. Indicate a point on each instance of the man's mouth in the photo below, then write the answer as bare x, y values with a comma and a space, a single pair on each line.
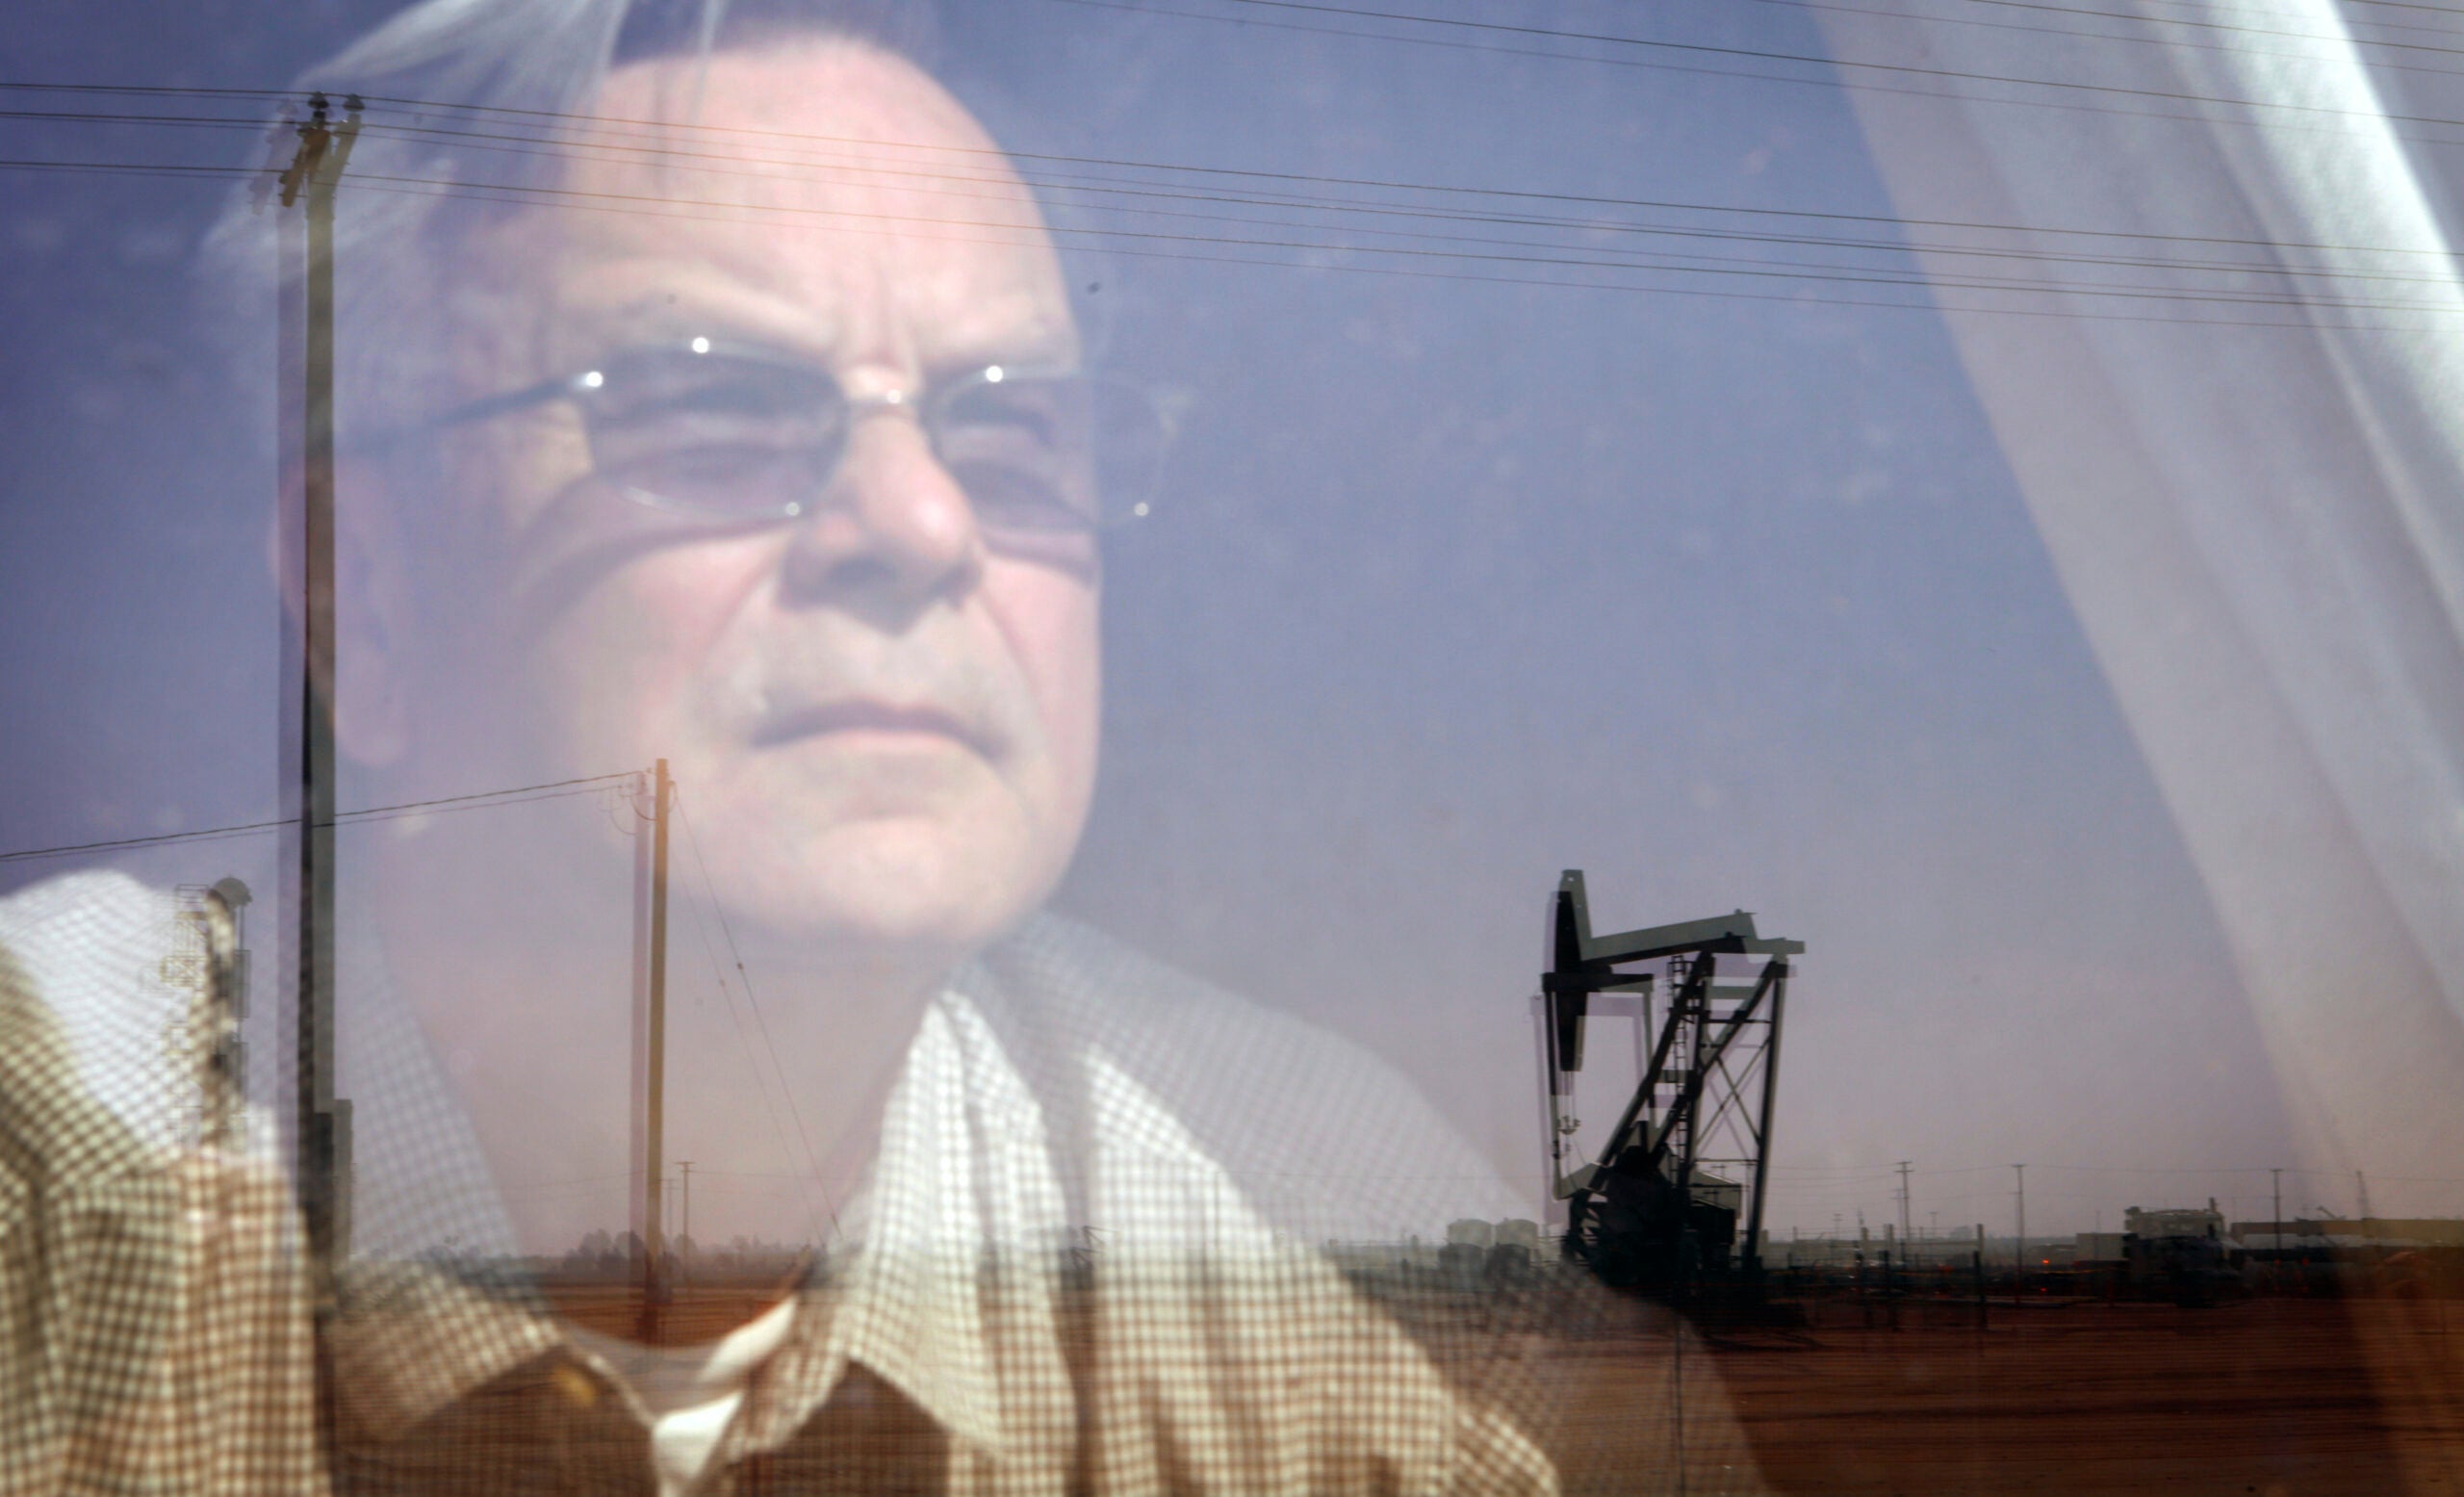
863, 717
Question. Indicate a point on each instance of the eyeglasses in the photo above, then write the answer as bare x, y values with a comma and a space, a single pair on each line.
744, 433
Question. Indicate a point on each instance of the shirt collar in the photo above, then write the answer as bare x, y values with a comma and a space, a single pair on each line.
949, 1296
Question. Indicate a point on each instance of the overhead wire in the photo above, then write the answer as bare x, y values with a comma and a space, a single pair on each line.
812, 1159
1764, 54
1661, 261
1321, 7
996, 157
479, 800
744, 1039
2408, 5
1383, 209
661, 205
397, 814
1564, 268
1748, 269
2226, 27
490, 193
1657, 259
2232, 27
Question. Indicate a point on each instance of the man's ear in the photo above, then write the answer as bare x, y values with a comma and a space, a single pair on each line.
372, 600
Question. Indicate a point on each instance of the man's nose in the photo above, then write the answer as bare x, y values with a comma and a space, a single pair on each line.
893, 528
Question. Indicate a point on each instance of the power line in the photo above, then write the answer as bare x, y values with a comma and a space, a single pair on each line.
1396, 211
594, 149
1764, 54
1809, 60
364, 818
471, 802
2226, 27
1657, 261
812, 1160
744, 1039
2408, 5
2193, 5
1384, 210
995, 156
1741, 268
484, 795
1583, 199
2229, 26
1661, 265
1568, 262
604, 202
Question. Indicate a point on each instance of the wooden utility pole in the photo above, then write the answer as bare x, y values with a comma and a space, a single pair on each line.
324, 1124
655, 1099
2019, 1256
1978, 1260
684, 1234
1906, 1234
2275, 1229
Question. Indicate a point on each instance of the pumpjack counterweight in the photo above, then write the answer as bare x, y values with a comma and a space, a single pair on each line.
1657, 1208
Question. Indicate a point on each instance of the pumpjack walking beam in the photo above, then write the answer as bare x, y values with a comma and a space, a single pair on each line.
1631, 1213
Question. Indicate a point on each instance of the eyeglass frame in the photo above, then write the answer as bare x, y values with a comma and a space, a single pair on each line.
1164, 407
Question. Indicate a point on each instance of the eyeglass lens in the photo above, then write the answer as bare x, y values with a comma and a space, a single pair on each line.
1035, 455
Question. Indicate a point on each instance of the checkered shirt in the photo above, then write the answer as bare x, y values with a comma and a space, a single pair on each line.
970, 1341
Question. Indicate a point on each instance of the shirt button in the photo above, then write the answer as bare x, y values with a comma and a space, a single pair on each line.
578, 1387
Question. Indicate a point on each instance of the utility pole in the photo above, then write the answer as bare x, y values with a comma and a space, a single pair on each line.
2275, 1213
2021, 1253
321, 1126
322, 1138
1977, 1263
685, 1168
654, 1104
1904, 1234
637, 1090
2361, 1194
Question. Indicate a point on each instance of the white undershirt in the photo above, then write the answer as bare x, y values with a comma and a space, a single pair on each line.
691, 1392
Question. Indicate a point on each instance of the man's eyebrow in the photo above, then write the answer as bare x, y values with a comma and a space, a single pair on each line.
699, 335
655, 317
1036, 347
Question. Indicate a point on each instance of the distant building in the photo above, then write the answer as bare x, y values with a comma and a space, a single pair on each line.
2175, 1222
2343, 1234
2099, 1248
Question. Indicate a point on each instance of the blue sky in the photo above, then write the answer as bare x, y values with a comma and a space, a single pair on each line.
1729, 601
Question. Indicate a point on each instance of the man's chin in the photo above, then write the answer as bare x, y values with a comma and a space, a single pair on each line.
904, 891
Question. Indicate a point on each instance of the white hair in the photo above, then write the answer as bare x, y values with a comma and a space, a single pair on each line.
441, 78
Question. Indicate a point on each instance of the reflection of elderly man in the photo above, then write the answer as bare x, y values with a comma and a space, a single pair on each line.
803, 498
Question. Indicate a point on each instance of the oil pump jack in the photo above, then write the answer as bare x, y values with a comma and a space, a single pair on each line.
1649, 1212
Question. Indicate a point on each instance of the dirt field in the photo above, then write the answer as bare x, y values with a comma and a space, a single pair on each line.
694, 1315
2261, 1397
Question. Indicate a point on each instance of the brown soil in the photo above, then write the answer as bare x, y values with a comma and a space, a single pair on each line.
2259, 1397
691, 1316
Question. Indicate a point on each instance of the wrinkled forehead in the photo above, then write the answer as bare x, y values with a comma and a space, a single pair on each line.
817, 195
